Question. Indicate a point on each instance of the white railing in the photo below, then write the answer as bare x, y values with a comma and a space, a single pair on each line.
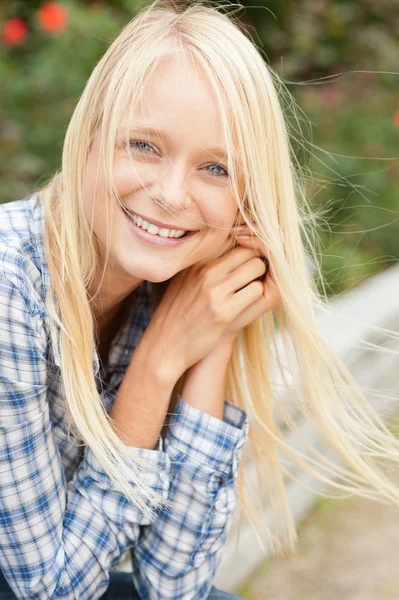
373, 302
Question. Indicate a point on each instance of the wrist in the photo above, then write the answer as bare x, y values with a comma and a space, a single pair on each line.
212, 365
204, 382
222, 351
164, 369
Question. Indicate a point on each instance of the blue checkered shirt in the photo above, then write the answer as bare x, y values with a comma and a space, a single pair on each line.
63, 524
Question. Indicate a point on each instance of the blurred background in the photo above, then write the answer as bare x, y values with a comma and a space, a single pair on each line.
350, 120
340, 60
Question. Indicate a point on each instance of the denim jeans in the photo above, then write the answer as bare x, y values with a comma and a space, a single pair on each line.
120, 588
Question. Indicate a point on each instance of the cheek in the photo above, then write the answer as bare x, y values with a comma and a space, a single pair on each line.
127, 178
214, 206
89, 189
220, 212
93, 185
94, 202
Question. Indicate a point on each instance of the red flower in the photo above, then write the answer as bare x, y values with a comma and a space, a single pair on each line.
14, 31
52, 17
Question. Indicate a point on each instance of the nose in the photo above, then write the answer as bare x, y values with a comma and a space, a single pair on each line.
171, 188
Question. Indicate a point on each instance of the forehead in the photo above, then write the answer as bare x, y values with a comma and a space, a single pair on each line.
178, 105
178, 99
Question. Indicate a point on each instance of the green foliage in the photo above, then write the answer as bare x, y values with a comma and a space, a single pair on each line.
356, 116
355, 178
313, 38
46, 76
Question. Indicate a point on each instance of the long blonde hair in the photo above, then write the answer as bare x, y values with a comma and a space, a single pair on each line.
274, 205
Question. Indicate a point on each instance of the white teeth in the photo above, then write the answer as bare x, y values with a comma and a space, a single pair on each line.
161, 231
152, 228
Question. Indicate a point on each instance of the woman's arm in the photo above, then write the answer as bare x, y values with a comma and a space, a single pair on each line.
209, 375
178, 553
61, 538
57, 538
141, 404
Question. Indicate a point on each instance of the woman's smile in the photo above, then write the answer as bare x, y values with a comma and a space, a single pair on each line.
153, 238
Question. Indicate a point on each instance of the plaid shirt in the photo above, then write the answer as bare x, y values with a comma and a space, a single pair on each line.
63, 523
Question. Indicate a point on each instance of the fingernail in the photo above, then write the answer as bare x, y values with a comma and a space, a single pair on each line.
243, 237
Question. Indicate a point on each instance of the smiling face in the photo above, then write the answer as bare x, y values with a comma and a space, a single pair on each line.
176, 168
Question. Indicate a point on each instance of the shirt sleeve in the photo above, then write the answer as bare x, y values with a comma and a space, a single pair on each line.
178, 554
57, 540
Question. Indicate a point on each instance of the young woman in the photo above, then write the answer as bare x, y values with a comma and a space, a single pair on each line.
130, 309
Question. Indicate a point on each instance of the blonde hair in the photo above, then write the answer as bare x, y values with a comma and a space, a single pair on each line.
275, 207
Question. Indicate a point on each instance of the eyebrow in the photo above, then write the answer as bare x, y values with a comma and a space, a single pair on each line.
162, 134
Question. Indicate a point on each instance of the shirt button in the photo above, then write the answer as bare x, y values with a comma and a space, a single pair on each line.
164, 476
218, 505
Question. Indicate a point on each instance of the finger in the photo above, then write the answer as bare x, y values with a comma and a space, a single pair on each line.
244, 274
242, 225
232, 260
246, 296
271, 290
259, 307
250, 239
246, 235
241, 229
252, 242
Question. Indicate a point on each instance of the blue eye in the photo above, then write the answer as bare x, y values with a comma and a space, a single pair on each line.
135, 144
225, 174
132, 144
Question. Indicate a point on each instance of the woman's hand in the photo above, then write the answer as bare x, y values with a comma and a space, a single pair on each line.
271, 297
207, 305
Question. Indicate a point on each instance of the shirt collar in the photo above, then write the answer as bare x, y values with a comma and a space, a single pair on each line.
134, 324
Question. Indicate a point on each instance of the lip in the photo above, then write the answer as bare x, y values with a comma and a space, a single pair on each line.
158, 223
154, 239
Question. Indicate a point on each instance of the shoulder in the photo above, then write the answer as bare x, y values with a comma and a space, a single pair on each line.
22, 259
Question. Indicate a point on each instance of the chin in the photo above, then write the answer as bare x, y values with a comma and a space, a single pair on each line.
155, 275
160, 279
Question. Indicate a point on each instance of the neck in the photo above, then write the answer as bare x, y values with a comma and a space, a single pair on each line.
108, 299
